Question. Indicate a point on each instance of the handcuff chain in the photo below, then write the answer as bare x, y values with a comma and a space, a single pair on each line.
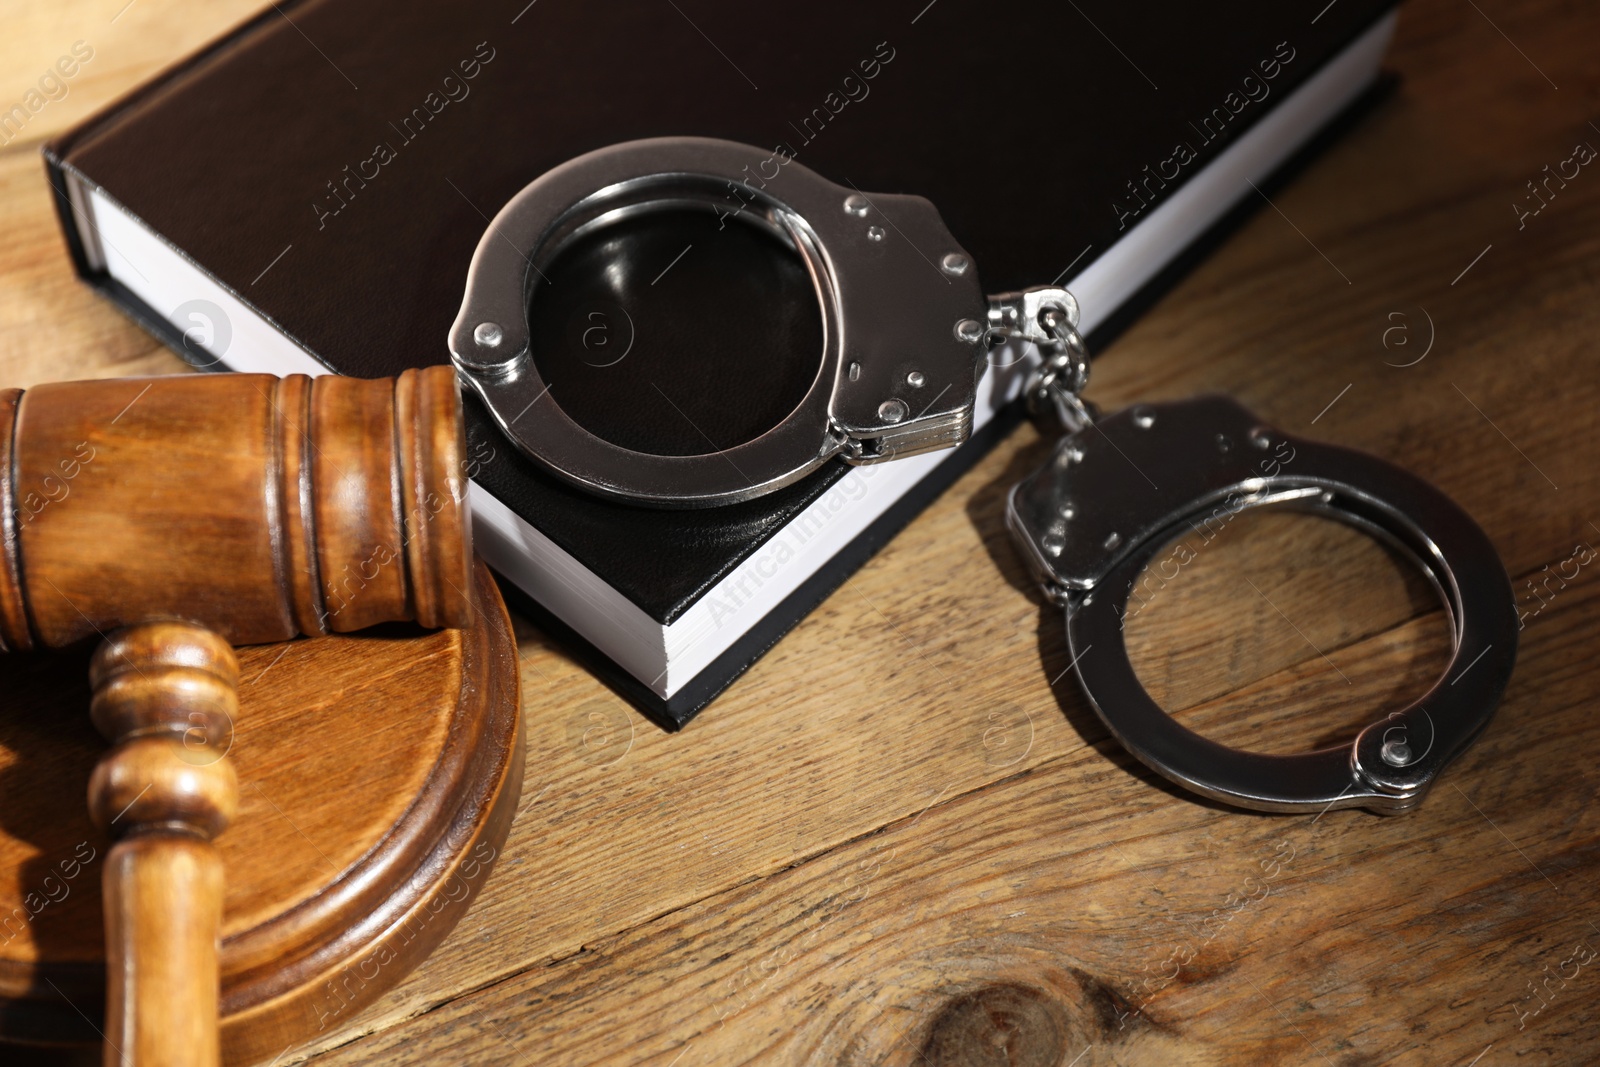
1047, 316
1061, 377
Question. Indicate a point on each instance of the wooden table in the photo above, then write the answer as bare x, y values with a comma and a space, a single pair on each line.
894, 841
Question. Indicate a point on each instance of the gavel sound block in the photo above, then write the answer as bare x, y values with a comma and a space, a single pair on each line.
176, 517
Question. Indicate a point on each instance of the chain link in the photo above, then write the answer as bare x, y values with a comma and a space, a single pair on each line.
1060, 379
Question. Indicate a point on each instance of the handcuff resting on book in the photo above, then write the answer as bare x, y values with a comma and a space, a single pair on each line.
907, 334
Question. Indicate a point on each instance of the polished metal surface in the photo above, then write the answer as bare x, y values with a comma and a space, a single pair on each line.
897, 376
1115, 494
1022, 316
1048, 318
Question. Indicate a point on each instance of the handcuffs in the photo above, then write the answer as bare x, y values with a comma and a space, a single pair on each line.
890, 385
907, 333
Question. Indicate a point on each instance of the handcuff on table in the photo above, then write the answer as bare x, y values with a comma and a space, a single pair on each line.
907, 334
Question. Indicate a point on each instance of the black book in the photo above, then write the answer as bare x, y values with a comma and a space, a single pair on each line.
305, 195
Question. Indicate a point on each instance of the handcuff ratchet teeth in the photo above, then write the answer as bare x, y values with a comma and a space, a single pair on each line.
902, 315
1117, 491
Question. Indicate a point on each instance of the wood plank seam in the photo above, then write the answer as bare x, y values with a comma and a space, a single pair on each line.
1046, 766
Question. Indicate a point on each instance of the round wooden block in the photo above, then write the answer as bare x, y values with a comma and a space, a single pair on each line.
378, 775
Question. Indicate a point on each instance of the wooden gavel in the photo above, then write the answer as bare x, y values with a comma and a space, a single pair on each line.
177, 517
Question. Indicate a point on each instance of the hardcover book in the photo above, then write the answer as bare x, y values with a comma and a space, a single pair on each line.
305, 194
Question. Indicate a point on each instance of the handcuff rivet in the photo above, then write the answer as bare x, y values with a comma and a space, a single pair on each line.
1260, 438
856, 204
488, 334
875, 233
1068, 511
1223, 444
855, 371
892, 410
954, 263
1396, 753
970, 331
915, 379
1113, 539
1143, 418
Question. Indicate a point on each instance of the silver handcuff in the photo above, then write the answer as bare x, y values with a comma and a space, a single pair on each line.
891, 383
1118, 490
908, 333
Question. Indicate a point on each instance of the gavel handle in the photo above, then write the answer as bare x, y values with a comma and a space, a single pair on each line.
165, 697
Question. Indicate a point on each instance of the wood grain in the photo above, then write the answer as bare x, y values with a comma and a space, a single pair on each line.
260, 507
894, 832
341, 874
253, 509
125, 43
166, 696
1108, 920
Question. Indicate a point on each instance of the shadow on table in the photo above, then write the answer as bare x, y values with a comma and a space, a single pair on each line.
50, 894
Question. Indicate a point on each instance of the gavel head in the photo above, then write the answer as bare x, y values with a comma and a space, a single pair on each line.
258, 507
